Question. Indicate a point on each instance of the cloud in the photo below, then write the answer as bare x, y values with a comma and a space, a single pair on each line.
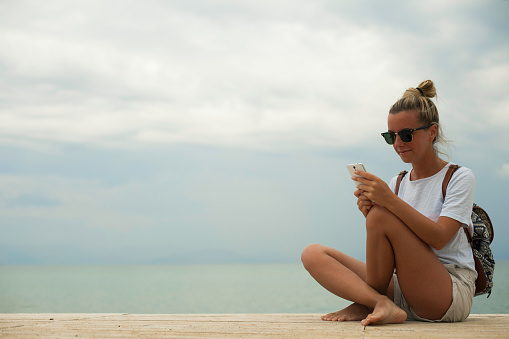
82, 203
504, 171
154, 127
248, 75
31, 200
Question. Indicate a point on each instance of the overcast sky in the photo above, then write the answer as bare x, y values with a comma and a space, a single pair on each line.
136, 132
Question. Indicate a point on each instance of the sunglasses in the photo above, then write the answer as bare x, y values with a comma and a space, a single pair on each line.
406, 135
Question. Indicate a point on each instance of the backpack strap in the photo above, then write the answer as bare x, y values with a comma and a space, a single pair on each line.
398, 182
447, 178
445, 183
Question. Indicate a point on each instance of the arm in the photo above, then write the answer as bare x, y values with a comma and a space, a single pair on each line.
436, 234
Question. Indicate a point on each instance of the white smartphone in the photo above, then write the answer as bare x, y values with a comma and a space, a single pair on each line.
356, 167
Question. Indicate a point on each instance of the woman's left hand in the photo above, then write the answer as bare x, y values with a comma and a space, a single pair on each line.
374, 188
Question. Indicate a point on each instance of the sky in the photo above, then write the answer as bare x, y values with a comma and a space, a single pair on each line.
177, 132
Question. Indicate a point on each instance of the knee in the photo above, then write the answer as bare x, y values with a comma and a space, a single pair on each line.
377, 217
311, 255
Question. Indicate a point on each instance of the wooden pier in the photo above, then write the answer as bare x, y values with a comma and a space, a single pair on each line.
95, 325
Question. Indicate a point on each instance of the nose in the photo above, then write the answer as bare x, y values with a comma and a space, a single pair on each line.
398, 141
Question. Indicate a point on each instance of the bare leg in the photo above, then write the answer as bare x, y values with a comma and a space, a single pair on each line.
345, 277
423, 279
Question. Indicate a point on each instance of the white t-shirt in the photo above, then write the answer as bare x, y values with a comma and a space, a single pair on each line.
425, 195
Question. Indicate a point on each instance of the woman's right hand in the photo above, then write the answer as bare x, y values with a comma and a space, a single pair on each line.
364, 204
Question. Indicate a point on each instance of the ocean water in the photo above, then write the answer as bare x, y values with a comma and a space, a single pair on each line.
277, 288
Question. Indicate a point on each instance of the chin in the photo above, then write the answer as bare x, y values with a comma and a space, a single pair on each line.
405, 158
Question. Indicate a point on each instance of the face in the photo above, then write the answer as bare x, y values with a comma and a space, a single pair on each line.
422, 141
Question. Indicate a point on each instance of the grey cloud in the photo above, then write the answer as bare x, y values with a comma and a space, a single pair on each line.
155, 129
30, 200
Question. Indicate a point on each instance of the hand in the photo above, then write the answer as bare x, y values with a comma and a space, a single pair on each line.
372, 188
363, 203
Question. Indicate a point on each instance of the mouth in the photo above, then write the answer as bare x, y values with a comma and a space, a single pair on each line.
403, 152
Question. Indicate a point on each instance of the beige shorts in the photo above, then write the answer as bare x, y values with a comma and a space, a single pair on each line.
463, 289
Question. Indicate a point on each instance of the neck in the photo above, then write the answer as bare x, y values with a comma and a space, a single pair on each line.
427, 167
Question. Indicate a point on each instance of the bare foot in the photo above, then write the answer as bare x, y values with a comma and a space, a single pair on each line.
354, 312
385, 312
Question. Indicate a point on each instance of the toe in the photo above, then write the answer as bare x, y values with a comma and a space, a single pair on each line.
368, 320
341, 318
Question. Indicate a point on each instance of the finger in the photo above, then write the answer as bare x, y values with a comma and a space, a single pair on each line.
362, 195
361, 203
366, 175
364, 204
366, 210
362, 173
362, 180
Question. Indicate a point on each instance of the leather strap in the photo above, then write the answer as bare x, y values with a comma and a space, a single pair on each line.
445, 183
447, 178
398, 182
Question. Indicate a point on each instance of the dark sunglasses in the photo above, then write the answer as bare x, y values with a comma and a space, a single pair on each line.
405, 135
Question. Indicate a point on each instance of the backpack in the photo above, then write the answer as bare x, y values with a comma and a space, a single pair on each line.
480, 241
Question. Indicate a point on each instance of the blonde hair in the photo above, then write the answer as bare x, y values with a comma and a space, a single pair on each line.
419, 100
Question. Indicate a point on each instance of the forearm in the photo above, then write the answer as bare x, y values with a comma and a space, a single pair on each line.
436, 234
433, 233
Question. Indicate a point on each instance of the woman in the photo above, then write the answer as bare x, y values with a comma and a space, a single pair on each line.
419, 265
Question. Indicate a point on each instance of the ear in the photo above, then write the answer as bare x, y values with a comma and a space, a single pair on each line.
433, 132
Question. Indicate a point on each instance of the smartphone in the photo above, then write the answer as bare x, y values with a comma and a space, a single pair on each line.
356, 167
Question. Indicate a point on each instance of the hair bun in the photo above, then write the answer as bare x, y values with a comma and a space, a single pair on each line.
427, 89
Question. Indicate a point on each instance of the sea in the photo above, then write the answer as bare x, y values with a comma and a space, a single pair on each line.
186, 289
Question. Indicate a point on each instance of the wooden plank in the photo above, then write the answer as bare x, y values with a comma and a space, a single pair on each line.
236, 326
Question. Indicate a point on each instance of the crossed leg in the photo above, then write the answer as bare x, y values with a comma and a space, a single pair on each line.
390, 244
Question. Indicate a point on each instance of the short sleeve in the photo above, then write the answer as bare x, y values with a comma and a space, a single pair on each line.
459, 196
